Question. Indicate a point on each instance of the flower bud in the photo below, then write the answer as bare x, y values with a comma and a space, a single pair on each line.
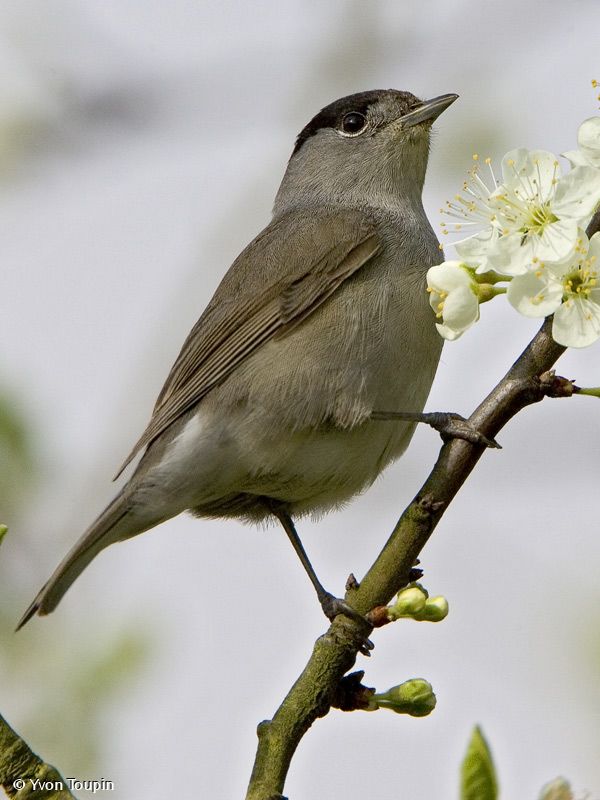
436, 609
414, 602
414, 697
558, 789
410, 602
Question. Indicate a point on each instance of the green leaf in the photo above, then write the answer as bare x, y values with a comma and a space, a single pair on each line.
477, 774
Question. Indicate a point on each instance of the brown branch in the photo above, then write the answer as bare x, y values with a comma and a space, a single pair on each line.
335, 653
25, 775
315, 692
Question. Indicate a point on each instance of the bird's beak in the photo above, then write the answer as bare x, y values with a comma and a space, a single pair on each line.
428, 110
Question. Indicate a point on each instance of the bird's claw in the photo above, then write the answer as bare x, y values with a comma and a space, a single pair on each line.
453, 426
334, 606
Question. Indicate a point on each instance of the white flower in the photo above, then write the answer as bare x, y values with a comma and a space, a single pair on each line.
532, 216
453, 297
472, 210
570, 291
539, 213
588, 139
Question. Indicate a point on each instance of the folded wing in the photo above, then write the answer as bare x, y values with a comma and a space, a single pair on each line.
288, 271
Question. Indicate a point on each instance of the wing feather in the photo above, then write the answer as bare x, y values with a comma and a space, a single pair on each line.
299, 271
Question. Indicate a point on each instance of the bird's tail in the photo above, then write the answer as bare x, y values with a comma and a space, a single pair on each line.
116, 522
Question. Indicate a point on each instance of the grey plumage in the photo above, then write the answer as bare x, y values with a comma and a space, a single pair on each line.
322, 320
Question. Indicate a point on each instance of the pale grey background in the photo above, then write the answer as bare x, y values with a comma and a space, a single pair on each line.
143, 144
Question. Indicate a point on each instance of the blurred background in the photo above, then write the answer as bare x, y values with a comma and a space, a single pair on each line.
141, 146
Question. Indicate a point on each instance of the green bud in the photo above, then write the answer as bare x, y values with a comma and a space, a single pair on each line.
436, 609
558, 789
410, 602
3, 532
414, 602
414, 697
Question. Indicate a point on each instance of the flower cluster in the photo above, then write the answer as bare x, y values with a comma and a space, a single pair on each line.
526, 231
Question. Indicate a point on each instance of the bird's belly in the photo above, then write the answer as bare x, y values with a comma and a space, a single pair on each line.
315, 470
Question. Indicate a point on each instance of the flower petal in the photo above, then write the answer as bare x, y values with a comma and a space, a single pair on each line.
594, 250
557, 241
513, 162
576, 323
576, 158
447, 333
588, 138
461, 309
577, 194
475, 249
535, 296
447, 276
533, 173
509, 255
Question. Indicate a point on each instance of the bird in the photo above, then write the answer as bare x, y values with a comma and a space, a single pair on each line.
305, 375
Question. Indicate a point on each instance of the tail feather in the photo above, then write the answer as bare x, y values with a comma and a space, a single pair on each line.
111, 526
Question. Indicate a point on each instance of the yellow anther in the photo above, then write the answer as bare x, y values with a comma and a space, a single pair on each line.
475, 157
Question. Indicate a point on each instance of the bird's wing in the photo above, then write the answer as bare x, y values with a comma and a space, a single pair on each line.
292, 267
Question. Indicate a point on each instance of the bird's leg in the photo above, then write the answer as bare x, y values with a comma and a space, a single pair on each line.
447, 423
332, 606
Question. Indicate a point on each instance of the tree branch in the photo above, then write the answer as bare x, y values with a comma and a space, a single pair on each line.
335, 652
23, 774
528, 381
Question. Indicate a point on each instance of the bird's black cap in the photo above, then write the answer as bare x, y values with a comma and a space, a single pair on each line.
331, 116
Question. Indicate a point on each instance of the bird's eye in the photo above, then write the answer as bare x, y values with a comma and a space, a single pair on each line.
353, 123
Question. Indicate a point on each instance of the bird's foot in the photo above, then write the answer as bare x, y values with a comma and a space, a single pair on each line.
448, 424
453, 426
334, 606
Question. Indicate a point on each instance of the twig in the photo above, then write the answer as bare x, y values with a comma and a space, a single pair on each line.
528, 381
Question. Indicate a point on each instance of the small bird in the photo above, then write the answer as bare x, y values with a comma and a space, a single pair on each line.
283, 399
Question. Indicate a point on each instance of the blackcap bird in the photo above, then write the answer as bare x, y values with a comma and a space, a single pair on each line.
274, 405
